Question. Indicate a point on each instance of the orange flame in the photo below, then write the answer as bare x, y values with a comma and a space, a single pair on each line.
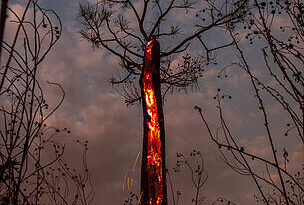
154, 161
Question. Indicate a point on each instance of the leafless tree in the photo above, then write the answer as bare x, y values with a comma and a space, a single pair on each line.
33, 169
276, 28
124, 27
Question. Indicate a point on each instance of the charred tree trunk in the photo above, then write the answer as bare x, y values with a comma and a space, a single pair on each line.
153, 171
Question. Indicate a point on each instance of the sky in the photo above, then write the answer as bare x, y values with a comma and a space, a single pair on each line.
94, 111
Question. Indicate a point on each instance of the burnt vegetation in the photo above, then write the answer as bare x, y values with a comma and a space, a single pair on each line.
276, 29
33, 167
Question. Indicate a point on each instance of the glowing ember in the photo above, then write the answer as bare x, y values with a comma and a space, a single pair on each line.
154, 160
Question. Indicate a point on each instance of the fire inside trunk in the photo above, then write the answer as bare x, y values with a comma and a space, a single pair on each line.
153, 179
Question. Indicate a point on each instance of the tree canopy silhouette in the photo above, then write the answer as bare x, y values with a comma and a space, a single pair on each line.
123, 27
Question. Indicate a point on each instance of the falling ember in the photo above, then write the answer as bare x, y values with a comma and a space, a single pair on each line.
153, 181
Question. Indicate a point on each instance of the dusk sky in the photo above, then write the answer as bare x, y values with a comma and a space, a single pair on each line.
93, 110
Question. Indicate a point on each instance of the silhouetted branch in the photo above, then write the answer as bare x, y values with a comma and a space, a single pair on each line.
281, 55
32, 166
105, 27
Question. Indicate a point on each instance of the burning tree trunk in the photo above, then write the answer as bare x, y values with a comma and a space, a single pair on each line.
153, 173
